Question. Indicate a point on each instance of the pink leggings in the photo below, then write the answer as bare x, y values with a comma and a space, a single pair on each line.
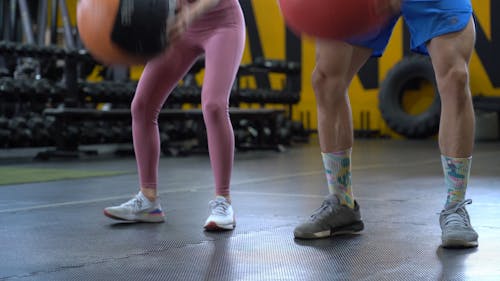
220, 35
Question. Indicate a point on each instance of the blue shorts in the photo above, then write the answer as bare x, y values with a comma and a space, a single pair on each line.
426, 19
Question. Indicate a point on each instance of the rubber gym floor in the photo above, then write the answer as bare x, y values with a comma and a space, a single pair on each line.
55, 230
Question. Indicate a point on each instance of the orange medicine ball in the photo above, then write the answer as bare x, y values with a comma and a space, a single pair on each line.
125, 32
335, 19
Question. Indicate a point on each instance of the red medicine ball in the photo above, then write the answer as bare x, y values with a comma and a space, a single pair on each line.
125, 32
335, 19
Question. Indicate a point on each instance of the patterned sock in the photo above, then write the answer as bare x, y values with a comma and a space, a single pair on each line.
338, 175
456, 175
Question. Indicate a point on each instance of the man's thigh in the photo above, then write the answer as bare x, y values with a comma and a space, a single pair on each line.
428, 19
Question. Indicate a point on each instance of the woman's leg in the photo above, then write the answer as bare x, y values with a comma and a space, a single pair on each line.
224, 49
223, 53
159, 78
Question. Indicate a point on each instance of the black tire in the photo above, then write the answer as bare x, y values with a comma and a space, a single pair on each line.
391, 93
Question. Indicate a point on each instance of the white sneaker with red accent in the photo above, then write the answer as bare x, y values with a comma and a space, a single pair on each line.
221, 215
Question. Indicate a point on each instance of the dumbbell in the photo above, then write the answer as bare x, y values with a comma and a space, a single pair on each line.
40, 133
4, 132
4, 122
4, 138
89, 133
20, 134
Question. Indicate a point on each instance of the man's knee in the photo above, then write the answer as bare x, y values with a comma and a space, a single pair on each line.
455, 80
458, 75
328, 86
454, 87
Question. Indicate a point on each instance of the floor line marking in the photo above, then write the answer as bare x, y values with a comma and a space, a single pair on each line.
210, 186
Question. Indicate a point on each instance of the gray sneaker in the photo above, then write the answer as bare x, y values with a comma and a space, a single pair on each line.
330, 219
456, 229
138, 209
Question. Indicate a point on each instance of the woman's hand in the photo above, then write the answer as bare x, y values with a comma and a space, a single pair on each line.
388, 7
187, 14
183, 20
395, 6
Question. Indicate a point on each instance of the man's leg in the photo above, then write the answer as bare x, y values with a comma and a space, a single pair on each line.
336, 64
450, 55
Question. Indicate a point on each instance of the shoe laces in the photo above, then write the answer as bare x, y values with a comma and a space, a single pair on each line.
326, 207
457, 215
219, 207
136, 203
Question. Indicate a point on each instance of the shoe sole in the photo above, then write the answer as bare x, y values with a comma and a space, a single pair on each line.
346, 229
212, 226
155, 220
458, 244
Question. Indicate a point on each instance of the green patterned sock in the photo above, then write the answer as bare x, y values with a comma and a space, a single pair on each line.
456, 175
338, 175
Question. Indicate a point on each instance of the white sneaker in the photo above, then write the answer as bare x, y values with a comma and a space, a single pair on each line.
221, 215
138, 209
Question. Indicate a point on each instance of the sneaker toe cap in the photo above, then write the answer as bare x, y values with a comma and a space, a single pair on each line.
460, 235
306, 230
220, 220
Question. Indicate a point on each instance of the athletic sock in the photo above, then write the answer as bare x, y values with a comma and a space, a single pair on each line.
338, 175
456, 175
